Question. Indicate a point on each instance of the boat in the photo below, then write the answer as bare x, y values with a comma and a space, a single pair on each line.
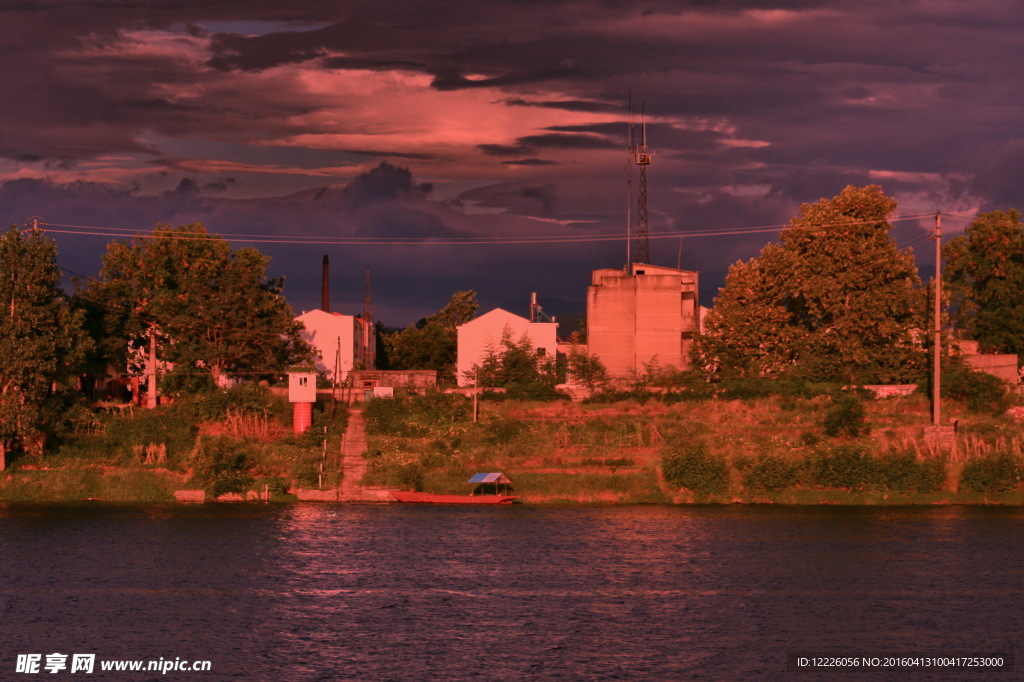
491, 488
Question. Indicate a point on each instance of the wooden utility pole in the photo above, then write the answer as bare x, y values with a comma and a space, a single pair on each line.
938, 319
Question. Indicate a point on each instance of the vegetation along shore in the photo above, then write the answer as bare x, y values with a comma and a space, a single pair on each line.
746, 441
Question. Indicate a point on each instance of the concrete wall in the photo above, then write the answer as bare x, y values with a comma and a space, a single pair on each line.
478, 336
395, 378
648, 314
1002, 365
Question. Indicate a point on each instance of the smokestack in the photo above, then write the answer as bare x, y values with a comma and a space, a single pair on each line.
325, 288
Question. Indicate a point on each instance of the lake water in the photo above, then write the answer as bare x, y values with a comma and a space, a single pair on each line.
335, 592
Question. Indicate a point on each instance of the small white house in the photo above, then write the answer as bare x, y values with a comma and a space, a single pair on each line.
484, 333
338, 341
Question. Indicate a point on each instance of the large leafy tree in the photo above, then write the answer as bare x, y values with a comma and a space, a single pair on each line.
213, 308
834, 300
432, 343
42, 341
984, 276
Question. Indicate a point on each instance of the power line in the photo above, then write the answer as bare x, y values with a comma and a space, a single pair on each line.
104, 231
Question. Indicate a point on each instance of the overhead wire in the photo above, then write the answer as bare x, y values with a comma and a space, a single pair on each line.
298, 240
85, 230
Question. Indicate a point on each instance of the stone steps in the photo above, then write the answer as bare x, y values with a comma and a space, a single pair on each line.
353, 445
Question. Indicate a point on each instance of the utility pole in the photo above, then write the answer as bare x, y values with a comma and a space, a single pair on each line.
152, 396
938, 319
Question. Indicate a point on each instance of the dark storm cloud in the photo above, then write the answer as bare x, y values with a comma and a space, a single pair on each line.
751, 108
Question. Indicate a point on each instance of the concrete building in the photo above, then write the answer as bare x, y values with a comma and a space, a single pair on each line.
643, 314
338, 340
484, 333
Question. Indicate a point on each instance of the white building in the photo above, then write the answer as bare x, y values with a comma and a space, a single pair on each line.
484, 333
339, 341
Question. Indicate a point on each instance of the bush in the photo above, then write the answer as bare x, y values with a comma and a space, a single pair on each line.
172, 429
694, 468
416, 416
221, 465
983, 393
503, 431
846, 417
610, 395
995, 473
746, 389
771, 473
535, 390
246, 397
848, 466
902, 472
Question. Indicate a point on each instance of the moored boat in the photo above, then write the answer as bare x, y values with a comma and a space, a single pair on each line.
490, 489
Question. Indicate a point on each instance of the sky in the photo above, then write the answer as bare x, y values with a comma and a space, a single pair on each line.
482, 145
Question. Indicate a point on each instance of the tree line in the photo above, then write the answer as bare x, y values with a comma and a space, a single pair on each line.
837, 300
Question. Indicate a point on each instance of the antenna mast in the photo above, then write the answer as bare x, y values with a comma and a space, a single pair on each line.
629, 184
642, 158
369, 335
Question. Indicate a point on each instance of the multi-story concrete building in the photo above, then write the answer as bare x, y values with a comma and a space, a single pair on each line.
643, 314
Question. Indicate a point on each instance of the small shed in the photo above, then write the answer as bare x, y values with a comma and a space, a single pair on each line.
302, 385
491, 484
302, 395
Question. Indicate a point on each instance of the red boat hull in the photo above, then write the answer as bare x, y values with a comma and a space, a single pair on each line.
410, 497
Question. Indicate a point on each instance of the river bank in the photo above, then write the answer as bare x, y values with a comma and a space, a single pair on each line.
766, 450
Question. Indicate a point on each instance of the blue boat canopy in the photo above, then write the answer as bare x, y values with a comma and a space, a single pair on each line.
489, 478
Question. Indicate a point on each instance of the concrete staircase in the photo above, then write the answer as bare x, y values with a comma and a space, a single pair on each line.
353, 445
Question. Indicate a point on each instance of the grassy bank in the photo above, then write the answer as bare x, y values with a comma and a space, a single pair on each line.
223, 442
814, 448
825, 449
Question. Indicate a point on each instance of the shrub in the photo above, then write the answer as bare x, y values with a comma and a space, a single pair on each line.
983, 393
221, 465
902, 472
534, 390
172, 428
417, 415
771, 473
994, 473
846, 466
846, 417
247, 397
503, 431
609, 395
694, 468
745, 389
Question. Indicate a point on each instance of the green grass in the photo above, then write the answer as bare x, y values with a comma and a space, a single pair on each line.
77, 485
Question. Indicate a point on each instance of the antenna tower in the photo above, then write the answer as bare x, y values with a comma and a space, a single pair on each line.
369, 335
642, 158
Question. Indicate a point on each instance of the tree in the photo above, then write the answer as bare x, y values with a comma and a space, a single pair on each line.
214, 308
514, 362
984, 276
835, 300
432, 343
586, 369
42, 341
